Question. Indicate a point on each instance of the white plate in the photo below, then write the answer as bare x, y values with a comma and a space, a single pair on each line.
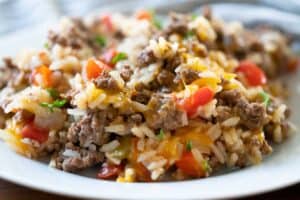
279, 170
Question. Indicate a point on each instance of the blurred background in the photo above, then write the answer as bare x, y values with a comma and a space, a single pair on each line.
16, 15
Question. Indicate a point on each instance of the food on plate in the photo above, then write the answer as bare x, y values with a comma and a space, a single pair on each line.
141, 99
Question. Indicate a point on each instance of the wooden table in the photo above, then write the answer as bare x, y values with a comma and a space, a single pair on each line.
9, 191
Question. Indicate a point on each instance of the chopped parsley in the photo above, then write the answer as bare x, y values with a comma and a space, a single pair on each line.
194, 16
205, 166
53, 93
58, 103
189, 34
155, 20
120, 56
46, 45
266, 98
161, 134
100, 40
189, 146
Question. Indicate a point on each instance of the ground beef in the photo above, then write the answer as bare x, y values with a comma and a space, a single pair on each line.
6, 75
88, 160
2, 118
164, 114
229, 97
142, 96
165, 78
89, 129
9, 63
7, 72
187, 75
119, 35
85, 158
126, 73
24, 116
231, 102
136, 118
172, 63
146, 57
11, 76
76, 36
252, 115
178, 24
105, 81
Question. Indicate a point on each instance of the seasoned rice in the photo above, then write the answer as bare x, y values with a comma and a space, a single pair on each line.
143, 101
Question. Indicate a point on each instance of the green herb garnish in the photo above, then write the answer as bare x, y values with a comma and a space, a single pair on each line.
46, 45
155, 20
120, 56
266, 98
161, 134
189, 146
189, 34
58, 103
53, 93
205, 166
100, 40
194, 16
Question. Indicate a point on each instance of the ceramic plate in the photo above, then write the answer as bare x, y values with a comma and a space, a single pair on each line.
279, 170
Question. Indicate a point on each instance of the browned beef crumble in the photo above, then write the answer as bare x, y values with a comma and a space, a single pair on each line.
252, 114
8, 62
229, 97
105, 81
126, 73
172, 63
23, 116
165, 114
146, 57
165, 78
89, 129
178, 24
2, 118
187, 76
142, 96
87, 158
76, 37
11, 76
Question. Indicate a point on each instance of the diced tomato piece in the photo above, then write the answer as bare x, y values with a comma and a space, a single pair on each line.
143, 15
109, 171
201, 97
293, 65
108, 56
189, 165
253, 74
42, 76
106, 20
33, 132
94, 68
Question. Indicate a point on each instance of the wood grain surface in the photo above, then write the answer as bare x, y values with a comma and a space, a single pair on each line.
10, 191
